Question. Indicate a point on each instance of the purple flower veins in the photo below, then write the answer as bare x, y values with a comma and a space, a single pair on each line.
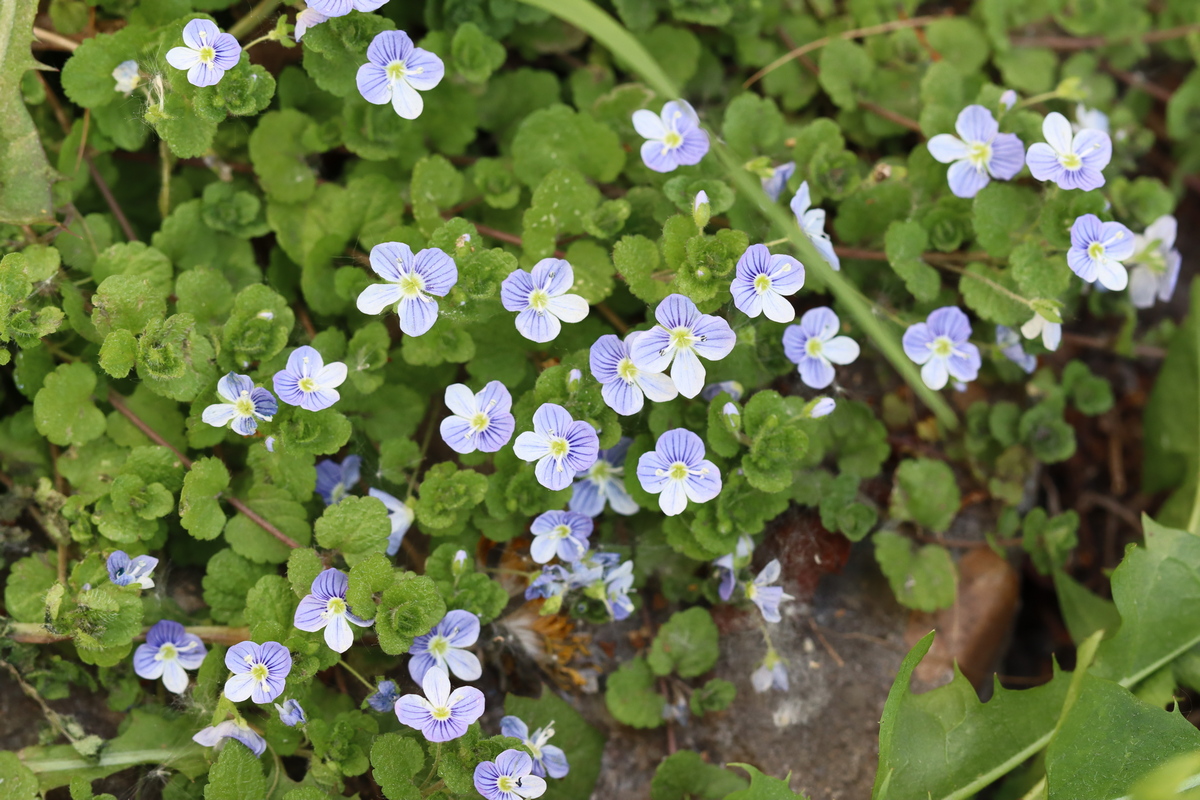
231, 729
979, 152
444, 648
761, 282
245, 404
677, 471
560, 533
124, 571
340, 8
541, 299
812, 222
780, 175
941, 345
682, 334
1157, 263
1073, 162
624, 386
814, 347
397, 72
260, 671
1097, 250
168, 651
399, 514
508, 777
480, 421
673, 138
604, 482
767, 597
335, 481
208, 54
308, 381
326, 608
412, 282
547, 758
441, 715
560, 445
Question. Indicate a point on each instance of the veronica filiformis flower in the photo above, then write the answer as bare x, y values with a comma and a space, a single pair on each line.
412, 283
127, 77
771, 674
677, 471
812, 222
291, 714
777, 182
385, 697
761, 282
979, 152
560, 533
397, 72
480, 421
561, 446
1086, 118
604, 482
1010, 348
623, 385
767, 597
325, 608
168, 651
548, 760
245, 404
1073, 162
308, 382
340, 8
541, 300
814, 347
335, 481
237, 729
124, 571
509, 777
941, 345
260, 671
674, 138
1156, 263
617, 585
306, 19
400, 515
682, 334
728, 565
207, 55
441, 715
1097, 250
444, 648
1051, 332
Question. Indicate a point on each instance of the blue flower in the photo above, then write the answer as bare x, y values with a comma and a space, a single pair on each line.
231, 729
340, 8
682, 334
761, 282
1010, 348
760, 592
168, 651
400, 515
207, 55
411, 280
1008, 99
480, 421
385, 697
245, 405
732, 388
397, 72
260, 671
561, 533
821, 407
441, 715
1073, 162
775, 184
336, 481
1157, 263
814, 347
812, 222
552, 581
674, 138
728, 565
604, 482
541, 299
325, 608
309, 18
508, 777
617, 585
1051, 332
941, 345
677, 471
624, 387
127, 77
548, 760
123, 570
561, 446
979, 152
1097, 250
444, 648
771, 674
308, 381
1086, 118
291, 714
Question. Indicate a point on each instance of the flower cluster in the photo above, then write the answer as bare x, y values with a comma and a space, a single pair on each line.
761, 591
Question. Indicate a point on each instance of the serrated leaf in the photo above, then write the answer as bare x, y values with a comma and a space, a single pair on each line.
686, 644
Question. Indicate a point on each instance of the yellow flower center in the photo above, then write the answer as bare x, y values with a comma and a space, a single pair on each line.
440, 712
560, 531
207, 54
559, 446
762, 283
678, 471
672, 140
751, 590
308, 385
942, 347
813, 346
259, 672
979, 154
682, 338
439, 645
396, 70
335, 607
1070, 161
411, 285
167, 653
1096, 251
539, 299
602, 471
626, 371
479, 422
244, 406
506, 784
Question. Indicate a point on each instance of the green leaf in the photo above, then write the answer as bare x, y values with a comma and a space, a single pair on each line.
630, 695
752, 125
436, 185
410, 607
685, 775
846, 68
925, 492
20, 782
64, 410
557, 137
357, 526
127, 302
119, 353
259, 326
175, 360
25, 589
686, 644
303, 567
333, 50
199, 509
582, 744
764, 787
237, 775
476, 55
905, 243
561, 203
227, 579
923, 579
715, 695
447, 497
992, 295
960, 42
1084, 612
277, 506
1003, 212
24, 171
396, 760
371, 575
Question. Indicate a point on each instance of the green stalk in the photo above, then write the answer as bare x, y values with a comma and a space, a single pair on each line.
586, 16
251, 21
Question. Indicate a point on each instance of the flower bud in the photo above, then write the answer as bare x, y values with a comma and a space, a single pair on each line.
733, 416
459, 565
820, 407
573, 379
1008, 99
701, 210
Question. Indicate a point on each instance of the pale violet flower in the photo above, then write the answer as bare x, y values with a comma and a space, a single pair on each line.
1097, 250
728, 565
385, 697
1073, 162
732, 388
340, 8
335, 481
732, 414
127, 77
308, 18
1156, 263
623, 385
168, 651
677, 471
700, 201
444, 648
509, 777
812, 222
245, 404
480, 421
325, 608
260, 671
1051, 332
399, 514
441, 715
771, 674
573, 379
397, 72
941, 345
207, 55
237, 729
291, 714
767, 597
979, 152
682, 334
814, 347
308, 382
458, 564
1008, 99
674, 138
821, 407
618, 583
780, 175
1086, 118
560, 533
412, 282
761, 282
541, 299
561, 446
548, 760
604, 482
125, 571
1010, 348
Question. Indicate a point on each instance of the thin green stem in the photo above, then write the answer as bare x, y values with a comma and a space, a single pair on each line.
988, 281
251, 21
437, 756
354, 672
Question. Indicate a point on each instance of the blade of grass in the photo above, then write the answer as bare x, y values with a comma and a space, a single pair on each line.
593, 21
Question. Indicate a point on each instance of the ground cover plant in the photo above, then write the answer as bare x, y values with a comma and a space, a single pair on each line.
362, 359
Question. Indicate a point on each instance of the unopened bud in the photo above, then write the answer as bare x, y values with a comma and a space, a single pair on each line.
821, 407
1008, 99
701, 210
459, 565
573, 379
733, 416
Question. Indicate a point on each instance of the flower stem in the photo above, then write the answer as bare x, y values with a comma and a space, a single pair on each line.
251, 21
354, 672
